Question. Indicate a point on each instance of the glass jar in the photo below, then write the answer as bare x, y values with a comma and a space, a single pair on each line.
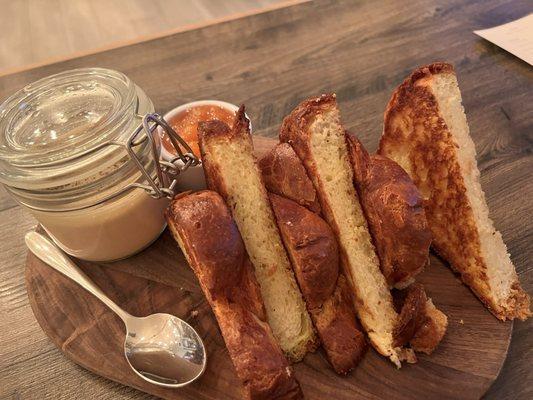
77, 150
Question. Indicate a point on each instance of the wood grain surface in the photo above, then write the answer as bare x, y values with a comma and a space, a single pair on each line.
466, 362
361, 50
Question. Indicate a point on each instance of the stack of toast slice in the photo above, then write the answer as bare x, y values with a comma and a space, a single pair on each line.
319, 240
315, 133
313, 251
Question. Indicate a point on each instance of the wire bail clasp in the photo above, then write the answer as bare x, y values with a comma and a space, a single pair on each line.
167, 171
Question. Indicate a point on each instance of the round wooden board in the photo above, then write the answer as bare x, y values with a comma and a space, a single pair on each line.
159, 280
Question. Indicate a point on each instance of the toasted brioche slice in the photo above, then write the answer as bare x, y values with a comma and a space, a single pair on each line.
395, 214
315, 133
426, 132
231, 170
202, 225
314, 255
397, 221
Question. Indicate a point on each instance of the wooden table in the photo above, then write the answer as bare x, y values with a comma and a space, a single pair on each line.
271, 61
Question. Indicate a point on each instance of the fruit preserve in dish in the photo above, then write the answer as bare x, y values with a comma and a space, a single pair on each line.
185, 121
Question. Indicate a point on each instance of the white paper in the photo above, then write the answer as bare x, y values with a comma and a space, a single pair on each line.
516, 37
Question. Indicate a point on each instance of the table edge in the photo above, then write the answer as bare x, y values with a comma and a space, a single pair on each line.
145, 38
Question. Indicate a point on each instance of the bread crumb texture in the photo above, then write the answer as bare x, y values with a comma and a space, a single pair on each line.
286, 310
334, 175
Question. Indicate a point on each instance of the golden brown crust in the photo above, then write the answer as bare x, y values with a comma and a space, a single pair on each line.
215, 127
208, 236
313, 251
417, 137
420, 323
395, 214
341, 335
206, 130
422, 72
251, 347
285, 175
411, 302
294, 126
431, 332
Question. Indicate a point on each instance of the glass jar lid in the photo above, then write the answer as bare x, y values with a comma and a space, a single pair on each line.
54, 131
82, 137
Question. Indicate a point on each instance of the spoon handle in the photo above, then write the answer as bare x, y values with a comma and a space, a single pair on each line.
54, 257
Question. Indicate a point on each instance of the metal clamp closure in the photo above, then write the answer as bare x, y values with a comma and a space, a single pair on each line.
167, 171
164, 186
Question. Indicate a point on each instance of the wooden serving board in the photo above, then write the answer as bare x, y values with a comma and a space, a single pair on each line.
159, 280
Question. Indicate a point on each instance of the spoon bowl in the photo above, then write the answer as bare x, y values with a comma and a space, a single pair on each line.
164, 350
160, 348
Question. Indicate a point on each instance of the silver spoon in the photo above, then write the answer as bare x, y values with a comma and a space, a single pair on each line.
160, 348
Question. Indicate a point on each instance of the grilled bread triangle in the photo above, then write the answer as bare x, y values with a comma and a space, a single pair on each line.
426, 132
